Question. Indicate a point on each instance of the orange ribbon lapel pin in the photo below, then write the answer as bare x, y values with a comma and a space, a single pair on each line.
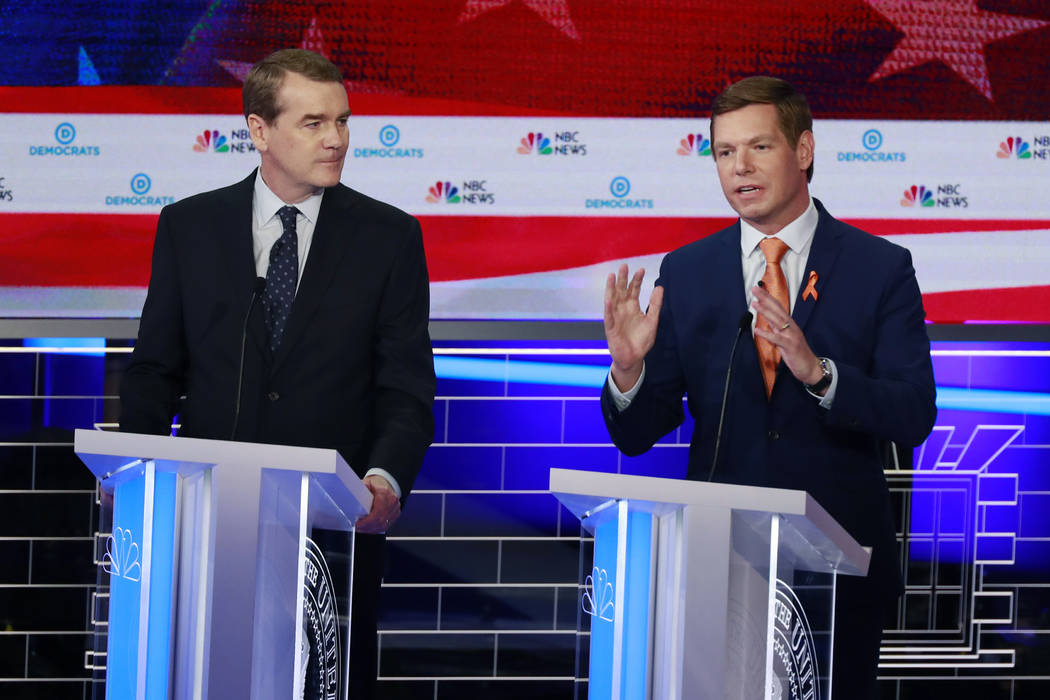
811, 287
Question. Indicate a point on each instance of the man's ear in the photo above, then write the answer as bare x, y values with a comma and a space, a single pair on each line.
804, 150
259, 130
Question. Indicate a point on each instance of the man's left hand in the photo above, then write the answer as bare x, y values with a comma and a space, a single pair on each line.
386, 508
787, 336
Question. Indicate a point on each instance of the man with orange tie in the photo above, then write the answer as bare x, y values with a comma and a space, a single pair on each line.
839, 366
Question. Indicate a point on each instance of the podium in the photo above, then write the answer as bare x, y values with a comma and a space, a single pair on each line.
230, 566
707, 590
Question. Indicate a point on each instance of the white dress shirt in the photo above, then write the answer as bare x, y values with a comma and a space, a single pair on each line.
799, 237
267, 228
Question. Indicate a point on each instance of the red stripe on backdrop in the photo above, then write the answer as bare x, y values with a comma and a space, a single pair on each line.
114, 249
76, 250
153, 99
1024, 304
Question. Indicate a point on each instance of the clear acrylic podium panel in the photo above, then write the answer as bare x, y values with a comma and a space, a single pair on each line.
631, 609
301, 632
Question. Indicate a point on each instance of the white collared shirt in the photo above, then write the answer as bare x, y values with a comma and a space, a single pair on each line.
267, 228
799, 237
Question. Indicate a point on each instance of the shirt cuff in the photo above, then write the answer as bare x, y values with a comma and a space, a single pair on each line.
623, 399
829, 396
388, 476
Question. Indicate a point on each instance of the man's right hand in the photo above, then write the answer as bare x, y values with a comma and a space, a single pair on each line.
629, 332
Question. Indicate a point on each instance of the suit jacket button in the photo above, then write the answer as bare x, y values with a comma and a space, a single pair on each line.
273, 396
773, 435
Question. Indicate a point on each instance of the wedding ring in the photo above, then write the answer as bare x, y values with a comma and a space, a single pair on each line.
786, 326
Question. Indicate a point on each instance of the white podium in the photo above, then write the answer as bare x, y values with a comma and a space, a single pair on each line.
703, 590
230, 566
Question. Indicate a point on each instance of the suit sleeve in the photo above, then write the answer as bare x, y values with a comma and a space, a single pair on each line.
657, 407
895, 398
404, 367
154, 378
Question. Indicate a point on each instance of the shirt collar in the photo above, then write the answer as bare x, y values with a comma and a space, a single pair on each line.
798, 234
266, 203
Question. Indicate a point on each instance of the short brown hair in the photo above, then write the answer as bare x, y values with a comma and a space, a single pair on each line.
792, 109
259, 95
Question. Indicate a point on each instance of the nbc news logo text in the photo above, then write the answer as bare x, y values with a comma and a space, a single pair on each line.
1015, 147
214, 141
475, 192
565, 143
946, 196
6, 193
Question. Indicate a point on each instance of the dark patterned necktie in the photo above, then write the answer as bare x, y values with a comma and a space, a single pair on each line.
281, 278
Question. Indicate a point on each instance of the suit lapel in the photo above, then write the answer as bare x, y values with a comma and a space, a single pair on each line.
334, 228
734, 302
822, 254
233, 224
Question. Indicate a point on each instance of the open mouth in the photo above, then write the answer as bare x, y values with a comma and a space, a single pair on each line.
747, 189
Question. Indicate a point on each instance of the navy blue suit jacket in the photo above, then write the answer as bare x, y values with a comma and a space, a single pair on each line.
354, 371
867, 318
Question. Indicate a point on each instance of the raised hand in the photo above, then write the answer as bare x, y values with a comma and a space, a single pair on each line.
787, 336
629, 331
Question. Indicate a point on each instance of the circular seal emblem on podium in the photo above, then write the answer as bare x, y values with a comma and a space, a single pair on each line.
319, 654
795, 672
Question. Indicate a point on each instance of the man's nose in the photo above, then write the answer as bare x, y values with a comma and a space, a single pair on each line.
743, 161
335, 136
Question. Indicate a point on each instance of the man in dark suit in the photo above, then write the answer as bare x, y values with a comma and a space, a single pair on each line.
839, 365
338, 351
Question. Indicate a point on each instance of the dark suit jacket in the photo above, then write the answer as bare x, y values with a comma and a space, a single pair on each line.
354, 371
867, 318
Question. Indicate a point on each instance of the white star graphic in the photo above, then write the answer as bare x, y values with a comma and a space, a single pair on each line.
554, 12
953, 32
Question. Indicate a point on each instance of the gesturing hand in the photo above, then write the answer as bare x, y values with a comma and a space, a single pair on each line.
629, 332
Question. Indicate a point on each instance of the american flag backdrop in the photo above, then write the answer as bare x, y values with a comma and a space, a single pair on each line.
540, 142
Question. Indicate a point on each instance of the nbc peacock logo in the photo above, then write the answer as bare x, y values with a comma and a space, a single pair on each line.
211, 140
535, 142
443, 192
917, 195
694, 144
1014, 146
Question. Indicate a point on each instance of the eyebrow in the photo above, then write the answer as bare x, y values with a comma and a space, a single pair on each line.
322, 117
749, 142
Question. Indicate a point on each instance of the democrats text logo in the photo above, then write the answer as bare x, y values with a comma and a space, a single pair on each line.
619, 188
945, 196
566, 142
1016, 148
215, 141
141, 185
871, 151
389, 146
694, 144
65, 136
6, 193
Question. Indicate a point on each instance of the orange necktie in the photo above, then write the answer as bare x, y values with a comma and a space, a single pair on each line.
776, 284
